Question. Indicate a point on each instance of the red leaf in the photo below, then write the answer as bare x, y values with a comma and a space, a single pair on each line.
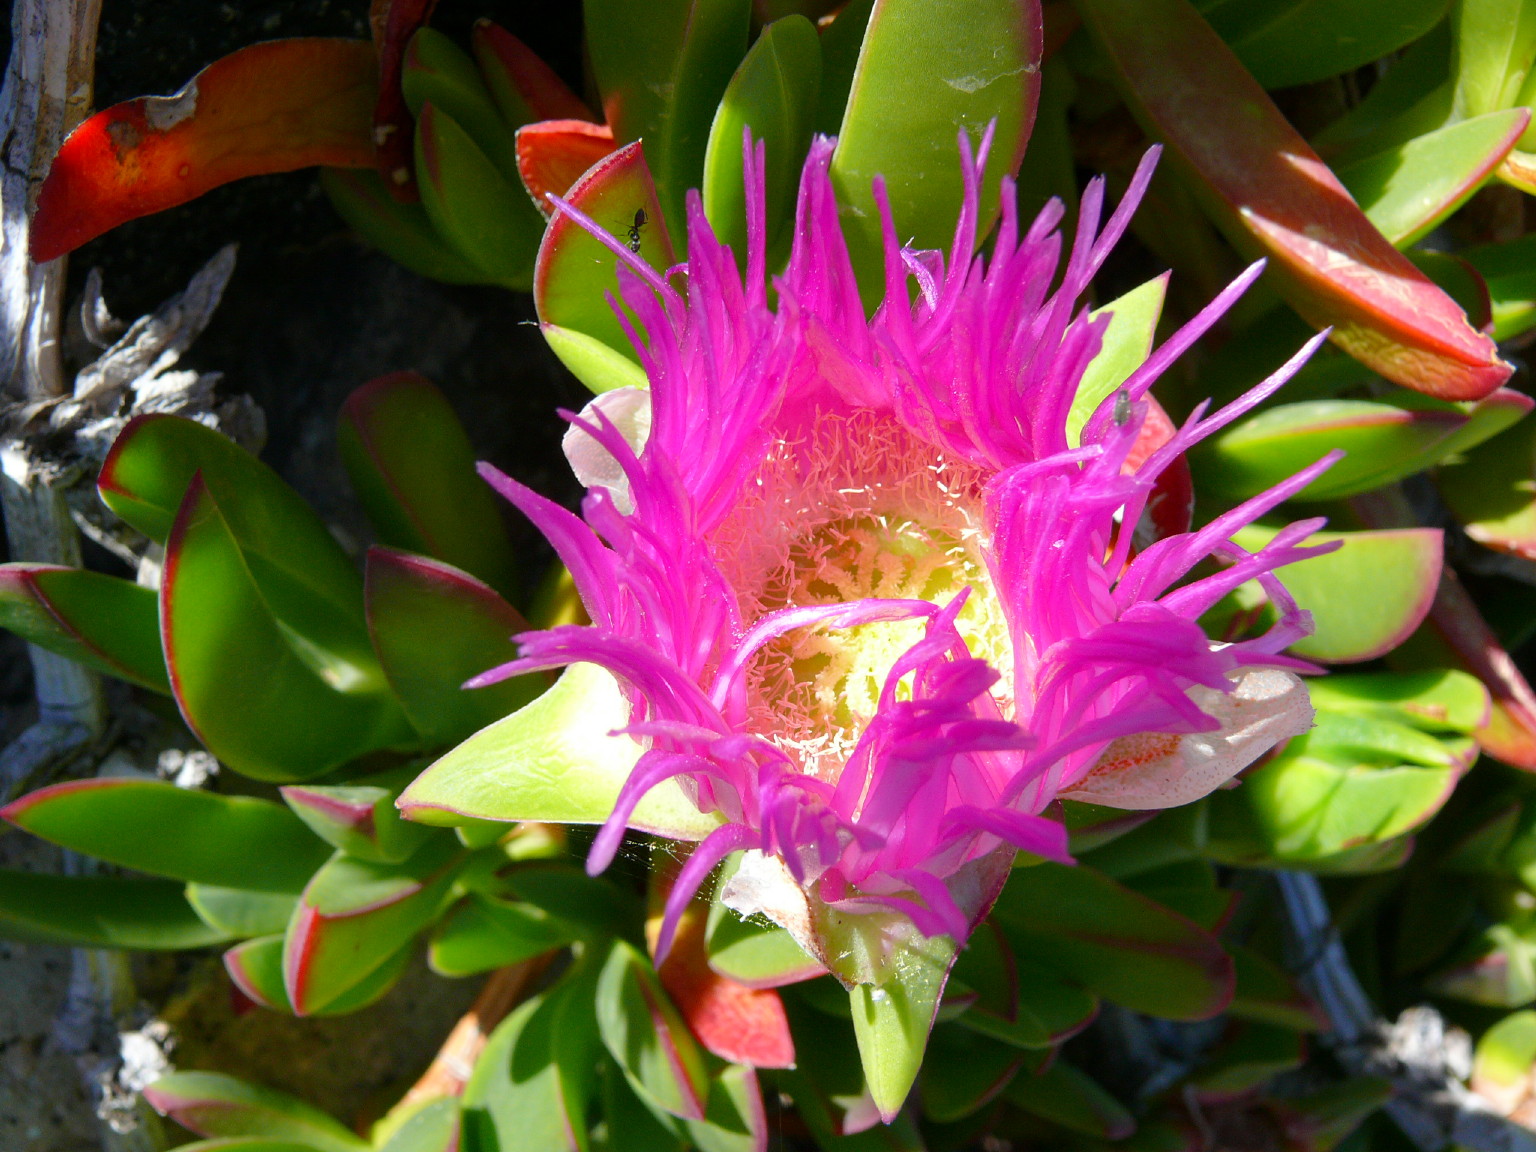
740, 1024
553, 154
1270, 193
271, 107
511, 69
394, 22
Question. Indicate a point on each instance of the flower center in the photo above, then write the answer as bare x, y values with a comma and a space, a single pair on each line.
858, 508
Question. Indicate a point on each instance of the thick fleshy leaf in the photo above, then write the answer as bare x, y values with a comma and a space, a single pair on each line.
1495, 46
553, 761
1267, 189
1492, 491
891, 1021
485, 216
634, 1125
575, 272
1300, 41
271, 107
647, 1038
1010, 999
482, 933
241, 912
184, 833
1509, 271
400, 230
1505, 1055
1456, 635
256, 969
213, 1104
918, 82
1061, 1093
1500, 971
773, 94
1115, 942
754, 952
734, 1117
1407, 191
103, 622
553, 154
739, 1024
359, 818
355, 915
305, 578
1437, 700
1414, 96
533, 1082
1248, 1057
434, 627
1348, 783
262, 705
964, 1072
394, 22
1367, 597
661, 69
1127, 343
434, 1127
100, 912
1268, 993
1385, 441
438, 72
244, 1144
413, 469
524, 87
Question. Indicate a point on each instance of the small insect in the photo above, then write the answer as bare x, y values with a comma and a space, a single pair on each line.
1122, 408
634, 230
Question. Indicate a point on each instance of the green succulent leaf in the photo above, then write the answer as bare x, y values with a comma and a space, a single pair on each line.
100, 912
103, 622
964, 1071
403, 232
263, 700
355, 915
891, 1022
437, 71
482, 933
1115, 942
434, 627
413, 469
1367, 597
256, 968
647, 1038
662, 69
1068, 1096
1384, 442
307, 580
1127, 343
774, 94
213, 1104
575, 273
242, 913
434, 1127
1409, 190
919, 81
487, 218
359, 818
554, 761
1302, 41
183, 833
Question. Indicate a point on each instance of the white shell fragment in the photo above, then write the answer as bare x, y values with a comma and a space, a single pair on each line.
1159, 770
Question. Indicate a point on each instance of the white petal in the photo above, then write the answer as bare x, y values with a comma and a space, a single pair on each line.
628, 410
763, 885
1157, 770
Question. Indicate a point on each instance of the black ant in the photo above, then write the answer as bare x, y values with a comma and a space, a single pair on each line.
634, 230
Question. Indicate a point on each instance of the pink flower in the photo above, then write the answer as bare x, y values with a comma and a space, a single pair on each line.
868, 601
